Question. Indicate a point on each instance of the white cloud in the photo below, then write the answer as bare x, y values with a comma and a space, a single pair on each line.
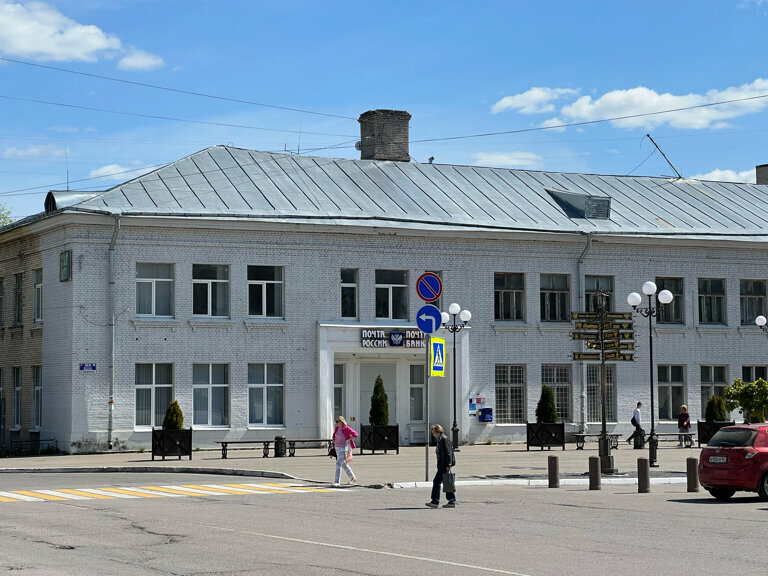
118, 172
140, 60
747, 176
508, 159
537, 100
554, 125
14, 153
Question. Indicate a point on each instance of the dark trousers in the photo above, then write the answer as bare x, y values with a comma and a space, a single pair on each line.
436, 484
638, 431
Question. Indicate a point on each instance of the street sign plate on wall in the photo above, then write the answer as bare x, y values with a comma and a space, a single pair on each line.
586, 355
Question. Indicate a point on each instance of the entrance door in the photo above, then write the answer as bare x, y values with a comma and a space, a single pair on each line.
368, 374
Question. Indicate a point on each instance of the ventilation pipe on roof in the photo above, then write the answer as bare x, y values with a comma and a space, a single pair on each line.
111, 402
384, 135
761, 174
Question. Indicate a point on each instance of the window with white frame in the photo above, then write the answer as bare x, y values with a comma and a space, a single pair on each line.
671, 313
555, 296
18, 299
416, 396
349, 293
38, 304
338, 390
593, 286
265, 291
508, 296
671, 390
154, 289
713, 383
752, 300
752, 373
210, 290
210, 395
65, 266
266, 395
558, 377
16, 408
392, 294
37, 396
510, 394
595, 394
2, 302
711, 300
154, 392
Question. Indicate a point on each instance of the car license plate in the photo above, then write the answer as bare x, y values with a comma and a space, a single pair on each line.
718, 459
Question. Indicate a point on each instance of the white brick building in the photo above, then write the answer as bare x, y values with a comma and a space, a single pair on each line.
244, 284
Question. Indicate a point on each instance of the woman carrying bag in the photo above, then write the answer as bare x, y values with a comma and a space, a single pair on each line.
343, 441
445, 461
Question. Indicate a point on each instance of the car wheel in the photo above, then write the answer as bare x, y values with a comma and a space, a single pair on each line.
762, 487
722, 493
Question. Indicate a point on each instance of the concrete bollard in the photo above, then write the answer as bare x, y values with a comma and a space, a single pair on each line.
692, 467
643, 475
594, 473
553, 467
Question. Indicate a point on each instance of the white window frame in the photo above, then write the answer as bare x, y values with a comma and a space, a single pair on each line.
511, 391
712, 305
38, 304
710, 384
593, 286
350, 287
750, 373
270, 290
416, 378
516, 297
339, 389
209, 387
37, 398
558, 377
560, 297
65, 266
153, 283
751, 301
271, 382
666, 386
210, 284
156, 413
16, 408
395, 292
594, 394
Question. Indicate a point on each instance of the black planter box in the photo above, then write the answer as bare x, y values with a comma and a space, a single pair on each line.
706, 430
545, 434
380, 438
171, 443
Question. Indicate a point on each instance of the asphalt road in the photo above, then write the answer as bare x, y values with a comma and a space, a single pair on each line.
534, 531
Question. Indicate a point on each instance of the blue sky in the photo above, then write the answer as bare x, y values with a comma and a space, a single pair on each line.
505, 68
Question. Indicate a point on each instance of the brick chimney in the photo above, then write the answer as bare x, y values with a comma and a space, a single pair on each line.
761, 174
384, 135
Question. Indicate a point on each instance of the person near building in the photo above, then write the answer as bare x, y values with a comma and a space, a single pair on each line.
636, 423
343, 441
445, 461
683, 424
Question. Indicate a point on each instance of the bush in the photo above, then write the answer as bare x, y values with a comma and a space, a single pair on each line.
174, 418
379, 414
545, 410
715, 411
751, 398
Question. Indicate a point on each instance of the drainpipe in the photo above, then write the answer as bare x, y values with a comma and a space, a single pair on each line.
112, 245
582, 305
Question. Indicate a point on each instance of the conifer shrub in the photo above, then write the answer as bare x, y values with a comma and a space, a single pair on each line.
715, 411
545, 410
174, 418
379, 413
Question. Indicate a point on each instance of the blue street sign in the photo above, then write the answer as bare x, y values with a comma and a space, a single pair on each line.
429, 286
429, 319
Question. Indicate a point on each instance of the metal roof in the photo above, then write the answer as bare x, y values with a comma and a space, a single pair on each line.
223, 181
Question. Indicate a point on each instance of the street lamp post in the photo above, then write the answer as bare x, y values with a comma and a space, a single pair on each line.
465, 316
634, 299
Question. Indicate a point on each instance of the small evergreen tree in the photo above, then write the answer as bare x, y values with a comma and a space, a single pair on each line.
545, 410
174, 418
379, 414
715, 411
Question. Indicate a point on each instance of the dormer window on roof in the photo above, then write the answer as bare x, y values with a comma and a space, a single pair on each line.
577, 205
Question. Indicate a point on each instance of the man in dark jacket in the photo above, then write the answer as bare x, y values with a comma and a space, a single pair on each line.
445, 461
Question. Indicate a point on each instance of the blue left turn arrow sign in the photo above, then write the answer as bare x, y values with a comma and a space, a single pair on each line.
429, 319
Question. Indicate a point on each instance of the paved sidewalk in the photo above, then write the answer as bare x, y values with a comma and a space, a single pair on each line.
486, 464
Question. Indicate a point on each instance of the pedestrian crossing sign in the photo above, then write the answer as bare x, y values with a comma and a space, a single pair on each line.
437, 362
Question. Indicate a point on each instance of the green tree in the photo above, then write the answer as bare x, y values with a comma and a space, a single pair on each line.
715, 411
174, 418
5, 215
545, 410
751, 398
379, 414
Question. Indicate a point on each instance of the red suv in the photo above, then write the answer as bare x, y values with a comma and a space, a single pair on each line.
736, 458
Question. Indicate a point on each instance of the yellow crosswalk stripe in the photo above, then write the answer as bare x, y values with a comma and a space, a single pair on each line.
256, 488
37, 495
174, 491
301, 488
131, 492
5, 499
87, 494
212, 489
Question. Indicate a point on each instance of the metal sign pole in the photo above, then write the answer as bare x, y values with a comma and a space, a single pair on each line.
426, 409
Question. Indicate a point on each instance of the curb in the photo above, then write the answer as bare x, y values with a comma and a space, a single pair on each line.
540, 482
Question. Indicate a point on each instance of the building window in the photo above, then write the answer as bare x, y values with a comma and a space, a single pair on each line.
265, 291
16, 407
593, 285
210, 290
555, 296
154, 392
65, 266
509, 296
154, 289
671, 391
510, 394
2, 302
558, 377
752, 373
671, 313
713, 382
38, 307
210, 395
338, 389
752, 300
349, 293
18, 299
392, 294
416, 402
37, 397
266, 392
595, 395
711, 301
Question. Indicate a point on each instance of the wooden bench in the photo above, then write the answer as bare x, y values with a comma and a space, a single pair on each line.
580, 438
264, 443
687, 437
292, 444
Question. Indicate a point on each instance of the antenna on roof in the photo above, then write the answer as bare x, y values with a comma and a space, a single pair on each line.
679, 176
66, 159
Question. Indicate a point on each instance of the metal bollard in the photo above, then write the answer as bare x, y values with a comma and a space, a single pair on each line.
692, 467
643, 475
553, 467
594, 473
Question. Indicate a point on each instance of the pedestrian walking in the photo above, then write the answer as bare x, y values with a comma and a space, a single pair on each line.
343, 441
683, 424
636, 422
445, 461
